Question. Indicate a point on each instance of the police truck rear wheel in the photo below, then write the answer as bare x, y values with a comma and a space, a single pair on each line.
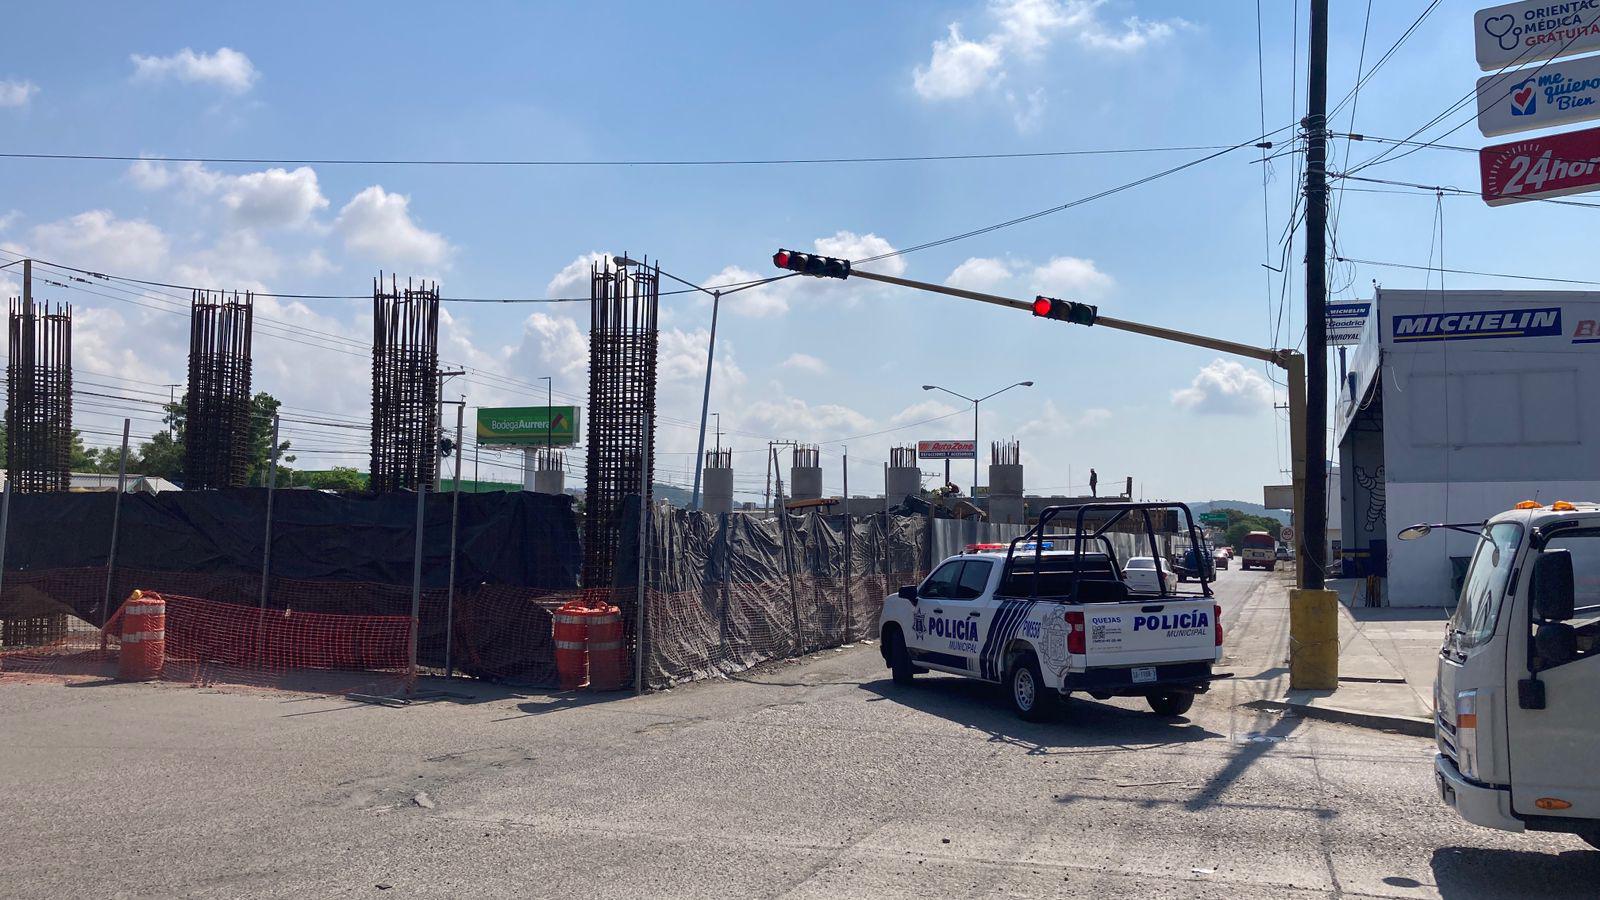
1026, 691
900, 659
1170, 704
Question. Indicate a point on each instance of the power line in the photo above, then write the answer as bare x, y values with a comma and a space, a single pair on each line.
1256, 141
559, 163
1433, 268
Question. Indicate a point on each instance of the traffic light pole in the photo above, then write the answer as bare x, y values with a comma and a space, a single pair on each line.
1309, 622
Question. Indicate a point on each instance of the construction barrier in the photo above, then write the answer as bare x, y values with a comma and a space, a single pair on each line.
607, 664
570, 630
143, 637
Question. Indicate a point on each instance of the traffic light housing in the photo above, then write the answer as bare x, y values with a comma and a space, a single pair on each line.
1065, 310
812, 264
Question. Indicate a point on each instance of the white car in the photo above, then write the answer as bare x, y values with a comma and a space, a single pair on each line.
1140, 574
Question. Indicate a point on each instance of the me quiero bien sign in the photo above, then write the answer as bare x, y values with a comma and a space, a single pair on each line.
1556, 93
1477, 325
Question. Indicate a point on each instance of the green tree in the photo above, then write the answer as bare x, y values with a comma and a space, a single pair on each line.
162, 457
263, 406
339, 478
1242, 523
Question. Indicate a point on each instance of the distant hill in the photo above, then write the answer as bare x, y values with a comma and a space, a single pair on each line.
1244, 506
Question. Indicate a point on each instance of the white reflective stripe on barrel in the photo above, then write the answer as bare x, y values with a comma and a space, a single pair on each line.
609, 645
137, 636
146, 609
570, 645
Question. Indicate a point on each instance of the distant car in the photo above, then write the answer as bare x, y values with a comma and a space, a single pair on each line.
1284, 554
1196, 564
1220, 559
1140, 574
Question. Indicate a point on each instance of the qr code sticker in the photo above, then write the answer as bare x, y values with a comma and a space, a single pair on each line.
1098, 632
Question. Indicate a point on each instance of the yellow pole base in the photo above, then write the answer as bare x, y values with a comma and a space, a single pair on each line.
1313, 640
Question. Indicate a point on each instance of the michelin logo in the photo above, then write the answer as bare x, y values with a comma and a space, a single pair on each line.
1467, 326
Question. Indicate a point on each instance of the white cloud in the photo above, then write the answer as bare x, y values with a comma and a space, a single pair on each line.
1225, 387
14, 94
378, 224
980, 274
10, 218
560, 345
959, 68
1067, 277
927, 409
573, 279
1094, 416
805, 362
97, 239
792, 415
227, 68
757, 302
852, 246
269, 198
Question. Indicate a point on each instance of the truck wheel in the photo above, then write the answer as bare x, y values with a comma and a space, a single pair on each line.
1026, 691
900, 658
1170, 704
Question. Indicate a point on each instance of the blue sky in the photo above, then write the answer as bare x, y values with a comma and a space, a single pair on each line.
806, 361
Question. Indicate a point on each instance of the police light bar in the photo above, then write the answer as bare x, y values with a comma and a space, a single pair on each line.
979, 548
1065, 310
812, 264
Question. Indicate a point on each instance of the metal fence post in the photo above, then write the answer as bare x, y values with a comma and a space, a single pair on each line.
644, 549
455, 517
5, 529
266, 548
849, 559
416, 586
116, 525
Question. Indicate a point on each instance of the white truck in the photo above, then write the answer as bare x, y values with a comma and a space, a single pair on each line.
1052, 614
1517, 697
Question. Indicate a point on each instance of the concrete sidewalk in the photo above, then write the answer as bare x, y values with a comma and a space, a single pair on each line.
1387, 657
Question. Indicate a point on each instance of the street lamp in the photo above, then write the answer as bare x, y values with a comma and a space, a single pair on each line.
975, 402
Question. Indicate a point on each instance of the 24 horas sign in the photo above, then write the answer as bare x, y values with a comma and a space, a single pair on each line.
529, 426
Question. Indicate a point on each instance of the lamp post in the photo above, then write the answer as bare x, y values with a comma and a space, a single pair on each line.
975, 402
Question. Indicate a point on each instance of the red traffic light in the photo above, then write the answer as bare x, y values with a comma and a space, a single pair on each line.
781, 259
812, 264
1041, 306
1065, 310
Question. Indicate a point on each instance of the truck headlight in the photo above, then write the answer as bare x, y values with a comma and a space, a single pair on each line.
1467, 733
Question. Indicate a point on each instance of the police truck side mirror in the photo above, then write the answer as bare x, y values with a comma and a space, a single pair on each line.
1553, 592
908, 592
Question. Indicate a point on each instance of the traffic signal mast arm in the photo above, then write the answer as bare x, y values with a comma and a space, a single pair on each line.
1292, 362
1276, 357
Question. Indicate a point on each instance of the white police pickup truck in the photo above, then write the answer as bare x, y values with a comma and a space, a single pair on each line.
1051, 614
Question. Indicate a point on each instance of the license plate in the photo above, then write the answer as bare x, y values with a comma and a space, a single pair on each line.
1144, 674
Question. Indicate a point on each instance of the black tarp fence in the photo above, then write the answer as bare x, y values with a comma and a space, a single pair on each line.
517, 557
724, 593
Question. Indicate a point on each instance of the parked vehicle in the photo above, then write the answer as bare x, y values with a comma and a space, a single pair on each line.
1517, 697
1284, 553
1053, 614
1256, 551
1195, 565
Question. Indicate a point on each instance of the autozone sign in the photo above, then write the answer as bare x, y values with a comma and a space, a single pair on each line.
1539, 167
947, 450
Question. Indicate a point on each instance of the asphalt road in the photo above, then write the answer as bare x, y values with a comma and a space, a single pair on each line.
818, 778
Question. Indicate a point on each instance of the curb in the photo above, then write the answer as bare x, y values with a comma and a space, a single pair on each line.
1412, 725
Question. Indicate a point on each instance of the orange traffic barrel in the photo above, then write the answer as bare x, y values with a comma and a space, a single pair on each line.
144, 638
570, 628
605, 649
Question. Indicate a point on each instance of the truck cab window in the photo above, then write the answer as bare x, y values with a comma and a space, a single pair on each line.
974, 579
1484, 587
1584, 546
942, 583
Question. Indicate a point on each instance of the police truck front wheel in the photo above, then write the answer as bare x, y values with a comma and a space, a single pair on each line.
900, 658
1171, 703
1029, 696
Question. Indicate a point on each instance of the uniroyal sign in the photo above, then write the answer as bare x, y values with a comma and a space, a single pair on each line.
947, 450
1519, 33
1540, 167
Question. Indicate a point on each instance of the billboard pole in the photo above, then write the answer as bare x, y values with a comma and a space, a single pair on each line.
1313, 528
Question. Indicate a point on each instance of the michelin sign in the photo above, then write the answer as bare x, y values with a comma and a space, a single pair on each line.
1477, 325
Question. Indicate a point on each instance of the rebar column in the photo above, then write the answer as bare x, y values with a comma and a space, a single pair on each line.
622, 405
217, 408
405, 385
39, 398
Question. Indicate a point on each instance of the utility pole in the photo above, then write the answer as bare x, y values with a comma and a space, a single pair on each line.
1313, 531
438, 438
27, 284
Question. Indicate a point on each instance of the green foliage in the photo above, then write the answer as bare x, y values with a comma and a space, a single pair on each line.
1242, 523
339, 478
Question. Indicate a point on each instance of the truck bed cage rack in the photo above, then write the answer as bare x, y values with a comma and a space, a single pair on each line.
1116, 512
